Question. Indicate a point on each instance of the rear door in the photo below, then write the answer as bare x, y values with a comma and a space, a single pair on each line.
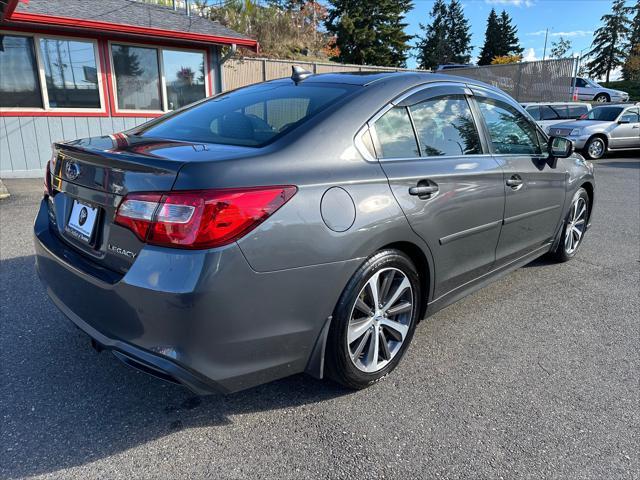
534, 190
449, 187
626, 132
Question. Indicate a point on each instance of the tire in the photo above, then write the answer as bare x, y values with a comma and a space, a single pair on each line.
351, 358
602, 98
576, 220
595, 148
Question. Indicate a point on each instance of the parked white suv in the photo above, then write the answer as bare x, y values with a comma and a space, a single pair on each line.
551, 113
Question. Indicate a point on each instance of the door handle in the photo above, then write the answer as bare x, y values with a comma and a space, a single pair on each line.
423, 190
515, 182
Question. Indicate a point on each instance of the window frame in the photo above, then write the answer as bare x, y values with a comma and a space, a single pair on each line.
440, 89
163, 84
41, 75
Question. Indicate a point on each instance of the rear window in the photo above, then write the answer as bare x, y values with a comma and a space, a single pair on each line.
251, 116
576, 111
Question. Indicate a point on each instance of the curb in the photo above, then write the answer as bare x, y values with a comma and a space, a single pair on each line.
4, 193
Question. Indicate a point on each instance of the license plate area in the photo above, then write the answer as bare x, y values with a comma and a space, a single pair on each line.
82, 222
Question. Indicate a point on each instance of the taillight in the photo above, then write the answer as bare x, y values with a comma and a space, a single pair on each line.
47, 179
199, 219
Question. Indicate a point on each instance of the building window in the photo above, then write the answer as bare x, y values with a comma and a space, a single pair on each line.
137, 77
157, 79
19, 83
184, 75
71, 73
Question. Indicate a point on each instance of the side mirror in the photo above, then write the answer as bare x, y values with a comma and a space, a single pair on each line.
560, 147
623, 121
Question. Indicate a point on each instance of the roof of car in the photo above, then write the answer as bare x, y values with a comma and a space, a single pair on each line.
367, 78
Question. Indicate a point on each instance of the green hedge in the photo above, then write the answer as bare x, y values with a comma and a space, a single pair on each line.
632, 87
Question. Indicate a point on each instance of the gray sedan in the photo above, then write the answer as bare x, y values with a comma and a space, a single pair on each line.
605, 128
301, 225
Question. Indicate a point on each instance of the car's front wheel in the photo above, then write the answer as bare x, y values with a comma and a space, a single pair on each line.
595, 148
374, 320
602, 98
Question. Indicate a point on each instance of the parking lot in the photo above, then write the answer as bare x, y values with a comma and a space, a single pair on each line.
535, 376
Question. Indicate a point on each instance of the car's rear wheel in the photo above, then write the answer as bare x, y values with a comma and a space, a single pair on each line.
595, 148
574, 228
602, 98
374, 320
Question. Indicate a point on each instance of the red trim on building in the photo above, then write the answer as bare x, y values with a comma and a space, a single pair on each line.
93, 25
53, 113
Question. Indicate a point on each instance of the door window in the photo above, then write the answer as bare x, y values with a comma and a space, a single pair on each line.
630, 116
510, 131
549, 113
445, 126
395, 134
581, 83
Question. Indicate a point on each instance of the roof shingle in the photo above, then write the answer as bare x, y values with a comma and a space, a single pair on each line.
129, 12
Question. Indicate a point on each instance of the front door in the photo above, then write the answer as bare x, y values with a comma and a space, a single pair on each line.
440, 172
534, 190
626, 133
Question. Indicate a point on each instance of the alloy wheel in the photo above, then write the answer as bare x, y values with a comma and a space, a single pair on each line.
575, 226
596, 148
380, 320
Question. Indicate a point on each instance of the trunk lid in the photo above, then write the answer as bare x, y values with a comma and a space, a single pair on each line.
90, 177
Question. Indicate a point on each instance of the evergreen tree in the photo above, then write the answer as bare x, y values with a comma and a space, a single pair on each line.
446, 38
459, 37
433, 47
492, 40
509, 43
631, 67
370, 33
608, 46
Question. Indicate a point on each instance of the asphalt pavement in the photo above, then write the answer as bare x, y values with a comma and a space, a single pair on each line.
535, 376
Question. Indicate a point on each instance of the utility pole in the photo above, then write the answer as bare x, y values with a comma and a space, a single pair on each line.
544, 53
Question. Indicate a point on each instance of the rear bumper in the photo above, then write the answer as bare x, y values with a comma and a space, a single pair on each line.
204, 319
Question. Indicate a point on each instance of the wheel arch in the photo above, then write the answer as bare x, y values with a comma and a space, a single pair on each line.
589, 187
424, 267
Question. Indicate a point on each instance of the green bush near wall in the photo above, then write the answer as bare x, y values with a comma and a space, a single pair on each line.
632, 87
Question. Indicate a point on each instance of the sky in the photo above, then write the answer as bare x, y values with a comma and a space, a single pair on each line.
575, 20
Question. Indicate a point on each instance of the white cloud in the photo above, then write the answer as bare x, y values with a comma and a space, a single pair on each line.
573, 33
530, 55
515, 3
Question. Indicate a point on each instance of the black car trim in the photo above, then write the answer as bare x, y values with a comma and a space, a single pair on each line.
516, 218
470, 231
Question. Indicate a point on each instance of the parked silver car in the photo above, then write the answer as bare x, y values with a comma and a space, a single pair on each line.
588, 90
552, 113
605, 128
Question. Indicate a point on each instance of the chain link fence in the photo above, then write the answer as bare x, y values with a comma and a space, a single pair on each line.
541, 81
544, 80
